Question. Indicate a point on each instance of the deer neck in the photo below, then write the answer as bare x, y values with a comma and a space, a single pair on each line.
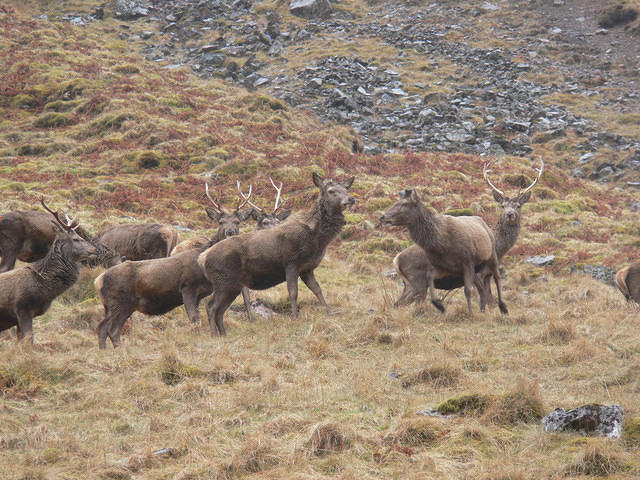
425, 227
325, 224
56, 271
506, 236
218, 237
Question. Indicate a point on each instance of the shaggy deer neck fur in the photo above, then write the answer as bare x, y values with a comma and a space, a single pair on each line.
324, 223
506, 236
57, 271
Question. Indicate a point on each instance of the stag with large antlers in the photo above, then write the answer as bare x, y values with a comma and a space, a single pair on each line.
27, 292
412, 263
157, 286
269, 220
265, 258
454, 246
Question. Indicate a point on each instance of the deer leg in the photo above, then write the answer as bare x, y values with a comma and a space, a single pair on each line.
291, 274
190, 301
114, 323
469, 282
431, 274
497, 280
219, 303
310, 281
246, 296
25, 324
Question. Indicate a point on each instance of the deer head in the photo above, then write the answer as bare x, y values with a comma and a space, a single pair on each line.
267, 220
229, 221
402, 212
82, 248
511, 205
334, 194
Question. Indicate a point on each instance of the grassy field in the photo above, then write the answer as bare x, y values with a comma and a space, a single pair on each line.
107, 136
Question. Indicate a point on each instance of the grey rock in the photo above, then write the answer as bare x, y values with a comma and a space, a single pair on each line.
310, 9
130, 9
541, 261
588, 420
587, 157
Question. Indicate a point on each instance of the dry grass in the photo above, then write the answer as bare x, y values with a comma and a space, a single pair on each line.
285, 398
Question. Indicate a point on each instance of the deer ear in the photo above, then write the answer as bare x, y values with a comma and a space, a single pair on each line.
349, 182
284, 214
497, 197
413, 195
317, 181
525, 198
213, 215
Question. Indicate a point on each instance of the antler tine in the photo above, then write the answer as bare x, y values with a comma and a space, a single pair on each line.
540, 170
485, 173
246, 198
71, 222
279, 190
215, 204
67, 226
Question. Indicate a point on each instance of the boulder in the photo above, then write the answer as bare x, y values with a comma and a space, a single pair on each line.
310, 9
130, 9
589, 420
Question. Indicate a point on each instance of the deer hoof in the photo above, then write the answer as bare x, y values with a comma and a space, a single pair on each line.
438, 304
503, 308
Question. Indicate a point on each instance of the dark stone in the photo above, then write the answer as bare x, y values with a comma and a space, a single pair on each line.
311, 8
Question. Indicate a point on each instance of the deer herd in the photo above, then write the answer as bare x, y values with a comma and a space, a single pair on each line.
148, 271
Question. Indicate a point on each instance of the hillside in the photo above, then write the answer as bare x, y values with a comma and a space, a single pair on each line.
116, 120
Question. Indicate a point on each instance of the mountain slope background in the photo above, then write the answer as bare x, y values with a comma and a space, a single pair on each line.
113, 118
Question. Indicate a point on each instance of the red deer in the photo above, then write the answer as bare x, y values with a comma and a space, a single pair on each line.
228, 222
27, 292
412, 264
157, 286
265, 258
268, 220
457, 246
28, 235
628, 282
139, 241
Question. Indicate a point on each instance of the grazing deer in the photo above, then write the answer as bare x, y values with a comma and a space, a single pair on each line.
139, 241
27, 236
412, 263
265, 258
628, 282
28, 291
457, 246
157, 286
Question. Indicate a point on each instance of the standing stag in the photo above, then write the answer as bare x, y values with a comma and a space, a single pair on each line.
28, 291
157, 286
412, 263
228, 222
455, 246
628, 282
265, 258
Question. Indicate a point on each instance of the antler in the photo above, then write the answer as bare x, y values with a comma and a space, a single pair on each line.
540, 170
246, 198
215, 204
279, 190
70, 224
485, 173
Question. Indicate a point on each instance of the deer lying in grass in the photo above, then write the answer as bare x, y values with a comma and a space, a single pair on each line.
27, 236
157, 286
455, 246
412, 264
265, 258
628, 282
27, 292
